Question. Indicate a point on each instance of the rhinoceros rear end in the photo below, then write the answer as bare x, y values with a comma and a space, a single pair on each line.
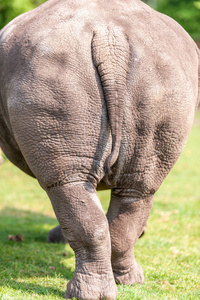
97, 96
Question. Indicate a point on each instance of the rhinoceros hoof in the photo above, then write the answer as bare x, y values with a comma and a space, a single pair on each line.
92, 287
129, 277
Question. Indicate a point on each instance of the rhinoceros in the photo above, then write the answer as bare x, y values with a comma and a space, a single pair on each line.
97, 94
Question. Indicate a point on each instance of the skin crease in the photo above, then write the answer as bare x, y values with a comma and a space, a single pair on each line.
96, 95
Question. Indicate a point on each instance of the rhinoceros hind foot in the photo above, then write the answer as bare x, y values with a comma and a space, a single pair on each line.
92, 287
131, 276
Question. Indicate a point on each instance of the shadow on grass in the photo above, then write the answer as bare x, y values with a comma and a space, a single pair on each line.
33, 258
34, 289
34, 226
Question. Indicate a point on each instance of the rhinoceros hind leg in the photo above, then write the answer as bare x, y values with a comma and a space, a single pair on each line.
86, 228
127, 217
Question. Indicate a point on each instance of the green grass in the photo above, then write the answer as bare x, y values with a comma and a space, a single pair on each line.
169, 252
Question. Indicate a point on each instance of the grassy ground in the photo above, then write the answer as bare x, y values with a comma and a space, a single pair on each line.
169, 252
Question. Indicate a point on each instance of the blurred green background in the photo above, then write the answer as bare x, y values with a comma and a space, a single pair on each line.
185, 12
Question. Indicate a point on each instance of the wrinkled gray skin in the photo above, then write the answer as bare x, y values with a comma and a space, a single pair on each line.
97, 94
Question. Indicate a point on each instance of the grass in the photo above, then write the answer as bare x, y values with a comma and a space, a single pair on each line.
169, 252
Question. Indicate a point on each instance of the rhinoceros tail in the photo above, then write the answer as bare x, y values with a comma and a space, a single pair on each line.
111, 57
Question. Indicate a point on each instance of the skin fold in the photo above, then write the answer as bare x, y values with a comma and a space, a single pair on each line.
96, 95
